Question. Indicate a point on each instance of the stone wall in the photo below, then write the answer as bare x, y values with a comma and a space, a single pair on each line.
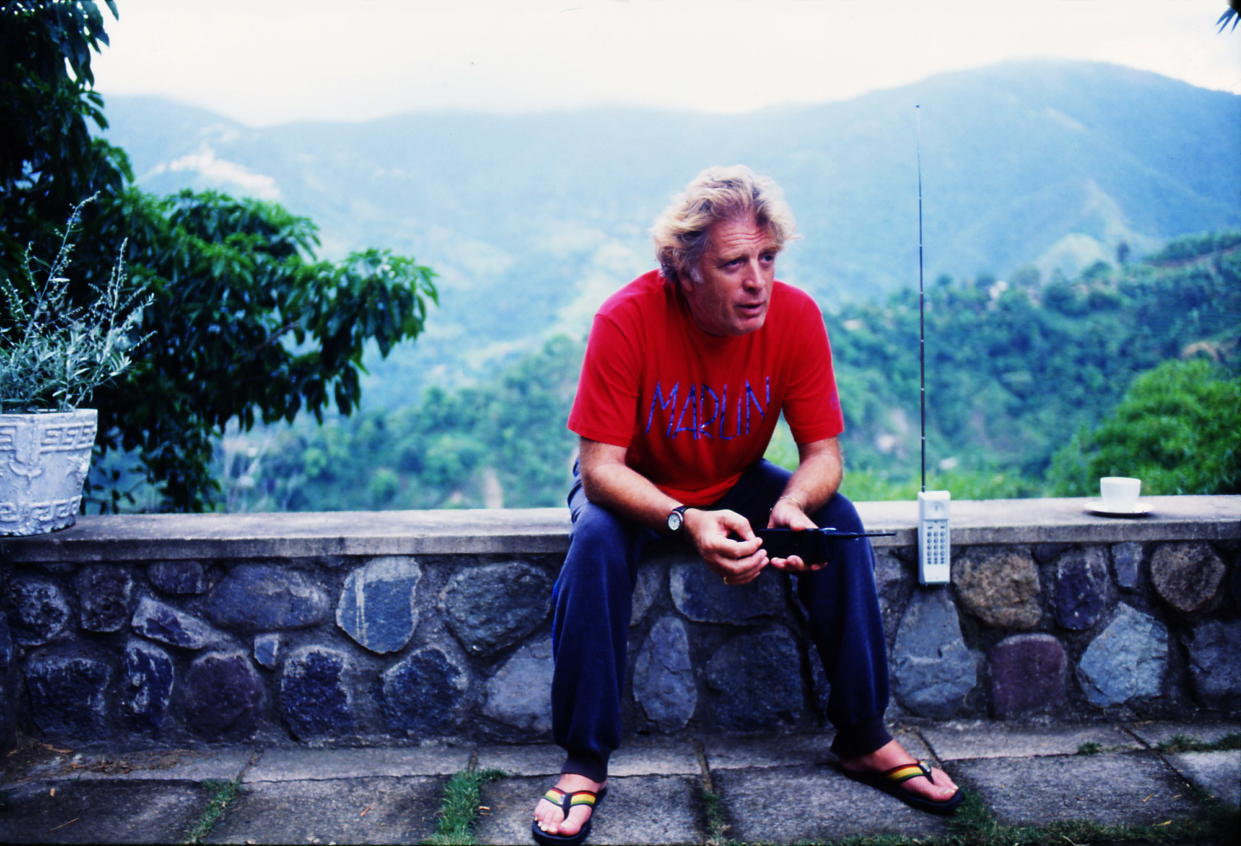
404, 627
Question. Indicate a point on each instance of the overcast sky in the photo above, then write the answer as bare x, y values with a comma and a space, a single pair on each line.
271, 61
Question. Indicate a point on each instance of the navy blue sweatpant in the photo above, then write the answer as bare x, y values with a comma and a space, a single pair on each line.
592, 602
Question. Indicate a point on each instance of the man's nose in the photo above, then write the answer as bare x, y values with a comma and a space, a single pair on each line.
754, 278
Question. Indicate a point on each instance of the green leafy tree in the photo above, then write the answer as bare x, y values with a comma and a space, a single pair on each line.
1176, 429
246, 324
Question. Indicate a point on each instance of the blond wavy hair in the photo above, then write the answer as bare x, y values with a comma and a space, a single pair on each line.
681, 232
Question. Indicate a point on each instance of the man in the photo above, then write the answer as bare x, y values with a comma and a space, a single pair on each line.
685, 374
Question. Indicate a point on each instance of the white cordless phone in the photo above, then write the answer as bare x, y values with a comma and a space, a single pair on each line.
934, 559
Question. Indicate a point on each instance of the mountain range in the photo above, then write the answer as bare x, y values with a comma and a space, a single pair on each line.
531, 219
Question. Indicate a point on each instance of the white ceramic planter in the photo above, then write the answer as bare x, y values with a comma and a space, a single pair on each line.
44, 459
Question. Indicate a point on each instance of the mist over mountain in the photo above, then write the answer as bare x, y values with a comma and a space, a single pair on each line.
531, 220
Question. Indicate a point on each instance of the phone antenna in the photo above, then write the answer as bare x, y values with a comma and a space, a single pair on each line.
921, 306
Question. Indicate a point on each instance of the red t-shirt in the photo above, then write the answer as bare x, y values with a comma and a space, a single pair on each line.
695, 410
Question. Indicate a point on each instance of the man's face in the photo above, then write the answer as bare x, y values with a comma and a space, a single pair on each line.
737, 272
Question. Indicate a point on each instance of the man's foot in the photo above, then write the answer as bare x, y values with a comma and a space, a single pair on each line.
550, 818
886, 767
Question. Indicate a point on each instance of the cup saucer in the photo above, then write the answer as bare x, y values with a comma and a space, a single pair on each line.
1115, 509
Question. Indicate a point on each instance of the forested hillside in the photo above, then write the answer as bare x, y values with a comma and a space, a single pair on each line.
1035, 387
531, 219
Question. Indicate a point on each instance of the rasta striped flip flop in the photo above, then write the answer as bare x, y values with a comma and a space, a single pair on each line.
892, 782
566, 802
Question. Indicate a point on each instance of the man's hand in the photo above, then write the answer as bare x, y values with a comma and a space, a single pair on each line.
716, 533
788, 514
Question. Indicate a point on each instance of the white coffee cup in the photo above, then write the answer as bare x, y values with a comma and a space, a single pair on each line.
1120, 492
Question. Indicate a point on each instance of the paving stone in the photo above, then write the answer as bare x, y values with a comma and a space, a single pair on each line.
1111, 789
294, 764
150, 765
655, 756
1218, 773
638, 809
100, 812
731, 753
1156, 732
982, 739
828, 807
541, 759
364, 810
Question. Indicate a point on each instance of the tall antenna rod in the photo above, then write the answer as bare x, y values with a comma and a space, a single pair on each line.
921, 305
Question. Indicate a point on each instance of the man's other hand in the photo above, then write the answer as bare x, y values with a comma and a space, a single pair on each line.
788, 514
727, 542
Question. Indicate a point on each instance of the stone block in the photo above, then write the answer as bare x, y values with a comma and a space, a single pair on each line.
932, 669
377, 606
264, 597
314, 697
520, 693
424, 694
999, 586
757, 680
1215, 663
103, 597
267, 649
1187, 575
1083, 591
663, 678
1127, 564
491, 607
178, 578
8, 689
223, 696
147, 678
1127, 661
647, 586
68, 695
1029, 672
703, 597
893, 584
165, 623
38, 610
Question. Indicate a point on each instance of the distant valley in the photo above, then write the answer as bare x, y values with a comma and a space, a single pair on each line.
531, 220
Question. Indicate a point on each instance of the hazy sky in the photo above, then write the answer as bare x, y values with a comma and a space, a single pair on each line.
270, 61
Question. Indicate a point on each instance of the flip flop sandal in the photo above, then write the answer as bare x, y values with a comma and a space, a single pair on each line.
566, 802
892, 783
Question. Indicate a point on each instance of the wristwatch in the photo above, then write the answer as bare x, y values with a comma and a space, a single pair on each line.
676, 518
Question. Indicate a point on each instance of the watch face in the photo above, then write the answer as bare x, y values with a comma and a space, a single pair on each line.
674, 521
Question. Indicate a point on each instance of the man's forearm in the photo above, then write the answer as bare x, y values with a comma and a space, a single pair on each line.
817, 477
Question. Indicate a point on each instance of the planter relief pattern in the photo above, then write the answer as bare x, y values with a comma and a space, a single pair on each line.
44, 459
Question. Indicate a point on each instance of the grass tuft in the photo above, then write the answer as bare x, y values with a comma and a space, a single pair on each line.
221, 794
460, 808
